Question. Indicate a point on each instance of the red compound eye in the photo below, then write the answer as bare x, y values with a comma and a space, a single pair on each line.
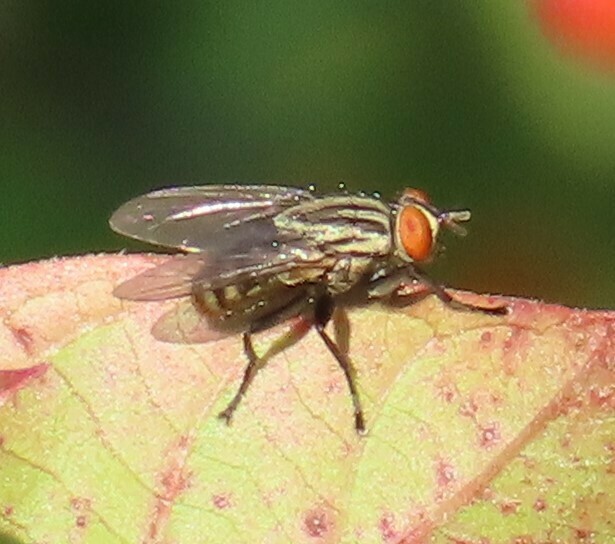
415, 233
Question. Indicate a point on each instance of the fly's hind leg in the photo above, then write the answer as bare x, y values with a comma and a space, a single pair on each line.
322, 314
255, 363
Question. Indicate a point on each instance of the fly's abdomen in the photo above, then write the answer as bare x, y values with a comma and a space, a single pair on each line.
218, 302
239, 304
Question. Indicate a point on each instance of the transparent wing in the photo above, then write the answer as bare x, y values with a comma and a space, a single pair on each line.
171, 279
175, 278
228, 231
205, 218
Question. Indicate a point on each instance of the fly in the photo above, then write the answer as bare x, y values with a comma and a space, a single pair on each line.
255, 256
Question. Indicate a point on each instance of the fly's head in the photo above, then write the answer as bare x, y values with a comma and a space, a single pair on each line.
417, 224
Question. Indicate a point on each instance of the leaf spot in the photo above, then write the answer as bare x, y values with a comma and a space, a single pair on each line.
509, 507
317, 523
486, 338
221, 501
446, 391
445, 473
387, 528
81, 503
469, 409
174, 482
489, 435
584, 534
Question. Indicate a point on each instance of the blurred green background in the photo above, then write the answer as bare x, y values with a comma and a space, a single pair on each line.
103, 101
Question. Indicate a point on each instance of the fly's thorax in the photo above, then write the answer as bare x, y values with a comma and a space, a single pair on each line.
339, 226
346, 237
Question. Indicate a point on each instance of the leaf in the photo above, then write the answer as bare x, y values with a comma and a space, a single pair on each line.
481, 429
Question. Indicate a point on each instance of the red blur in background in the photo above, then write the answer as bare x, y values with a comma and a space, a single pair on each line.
585, 28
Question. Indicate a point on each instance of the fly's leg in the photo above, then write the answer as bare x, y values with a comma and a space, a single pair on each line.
298, 330
387, 284
451, 302
323, 310
254, 363
322, 314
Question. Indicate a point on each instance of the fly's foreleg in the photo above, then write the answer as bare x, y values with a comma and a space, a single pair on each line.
323, 311
385, 285
451, 302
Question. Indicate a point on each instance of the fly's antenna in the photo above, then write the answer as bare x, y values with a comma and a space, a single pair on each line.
451, 219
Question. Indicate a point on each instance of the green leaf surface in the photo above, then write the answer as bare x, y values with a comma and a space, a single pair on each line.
481, 429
